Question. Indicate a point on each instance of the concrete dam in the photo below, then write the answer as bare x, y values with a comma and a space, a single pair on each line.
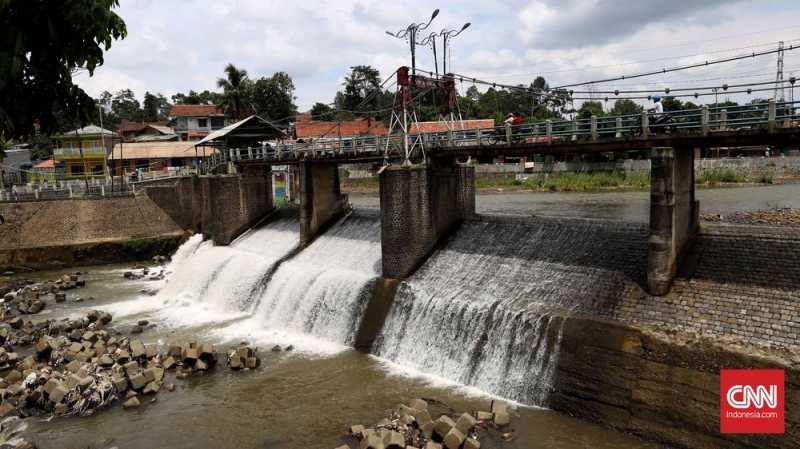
604, 320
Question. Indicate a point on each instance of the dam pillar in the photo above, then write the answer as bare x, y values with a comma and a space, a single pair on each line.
219, 207
420, 205
673, 215
321, 200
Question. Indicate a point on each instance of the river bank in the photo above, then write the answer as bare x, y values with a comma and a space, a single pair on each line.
583, 182
496, 270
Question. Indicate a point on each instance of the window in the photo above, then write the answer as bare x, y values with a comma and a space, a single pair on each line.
176, 162
202, 122
97, 170
217, 122
76, 169
144, 164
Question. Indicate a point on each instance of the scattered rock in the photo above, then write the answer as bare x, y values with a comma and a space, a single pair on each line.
131, 403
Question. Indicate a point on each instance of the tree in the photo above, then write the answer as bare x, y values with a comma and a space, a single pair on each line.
625, 106
43, 44
273, 97
126, 106
155, 108
671, 104
236, 94
361, 87
590, 108
204, 97
321, 111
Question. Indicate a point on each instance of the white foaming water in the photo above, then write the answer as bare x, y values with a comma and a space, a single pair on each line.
324, 290
483, 311
207, 283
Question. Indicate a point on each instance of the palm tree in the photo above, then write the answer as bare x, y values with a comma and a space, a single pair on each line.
236, 92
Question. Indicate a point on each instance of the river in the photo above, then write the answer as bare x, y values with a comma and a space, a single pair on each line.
306, 398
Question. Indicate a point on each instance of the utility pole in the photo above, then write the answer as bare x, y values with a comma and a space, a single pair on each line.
779, 95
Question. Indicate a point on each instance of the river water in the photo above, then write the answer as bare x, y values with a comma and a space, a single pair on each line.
260, 290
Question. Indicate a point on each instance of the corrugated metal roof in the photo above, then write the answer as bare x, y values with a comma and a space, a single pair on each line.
438, 127
90, 130
254, 126
359, 127
157, 150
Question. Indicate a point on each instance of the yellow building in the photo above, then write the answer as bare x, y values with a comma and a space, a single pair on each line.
82, 153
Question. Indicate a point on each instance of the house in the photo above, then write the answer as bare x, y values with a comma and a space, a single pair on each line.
82, 152
146, 131
307, 129
154, 156
15, 165
44, 171
195, 121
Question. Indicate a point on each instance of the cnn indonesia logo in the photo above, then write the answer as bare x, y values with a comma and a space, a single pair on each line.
752, 401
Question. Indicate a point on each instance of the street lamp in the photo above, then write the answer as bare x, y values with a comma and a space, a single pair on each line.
410, 34
446, 36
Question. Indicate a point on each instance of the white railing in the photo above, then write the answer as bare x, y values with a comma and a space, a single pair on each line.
77, 151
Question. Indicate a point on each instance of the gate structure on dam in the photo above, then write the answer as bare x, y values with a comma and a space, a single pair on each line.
427, 181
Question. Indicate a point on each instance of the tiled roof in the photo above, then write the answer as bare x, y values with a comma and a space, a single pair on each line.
358, 127
195, 110
49, 163
157, 150
437, 127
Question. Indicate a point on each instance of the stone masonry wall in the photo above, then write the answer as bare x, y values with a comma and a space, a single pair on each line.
220, 207
419, 205
660, 387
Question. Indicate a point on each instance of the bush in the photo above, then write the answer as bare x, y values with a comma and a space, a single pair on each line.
720, 175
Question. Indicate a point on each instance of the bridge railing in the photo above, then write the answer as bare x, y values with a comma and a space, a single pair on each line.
704, 120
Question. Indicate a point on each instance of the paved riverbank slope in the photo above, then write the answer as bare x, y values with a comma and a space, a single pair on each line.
48, 234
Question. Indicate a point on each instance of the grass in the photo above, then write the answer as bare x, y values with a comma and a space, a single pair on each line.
720, 176
578, 181
573, 181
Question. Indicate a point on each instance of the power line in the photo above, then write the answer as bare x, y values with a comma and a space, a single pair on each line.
624, 77
621, 64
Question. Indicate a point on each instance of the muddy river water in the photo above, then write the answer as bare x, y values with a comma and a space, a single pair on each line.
306, 398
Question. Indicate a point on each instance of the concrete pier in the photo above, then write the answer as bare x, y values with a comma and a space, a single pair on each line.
321, 199
673, 215
420, 205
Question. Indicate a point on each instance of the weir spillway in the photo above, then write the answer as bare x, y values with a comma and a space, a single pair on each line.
484, 310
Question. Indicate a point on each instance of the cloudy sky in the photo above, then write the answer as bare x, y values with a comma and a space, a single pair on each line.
178, 45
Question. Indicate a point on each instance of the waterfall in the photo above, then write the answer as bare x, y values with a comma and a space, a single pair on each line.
485, 310
324, 290
226, 278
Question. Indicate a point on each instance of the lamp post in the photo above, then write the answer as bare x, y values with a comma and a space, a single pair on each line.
410, 34
446, 36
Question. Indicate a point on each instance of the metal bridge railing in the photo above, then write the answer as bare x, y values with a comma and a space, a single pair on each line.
700, 121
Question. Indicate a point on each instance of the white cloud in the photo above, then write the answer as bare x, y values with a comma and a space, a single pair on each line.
176, 46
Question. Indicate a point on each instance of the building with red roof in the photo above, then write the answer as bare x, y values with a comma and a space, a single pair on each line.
195, 121
308, 129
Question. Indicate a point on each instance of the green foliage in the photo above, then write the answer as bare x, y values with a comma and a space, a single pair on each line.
321, 111
590, 108
155, 107
43, 44
204, 97
720, 175
625, 107
273, 97
237, 92
571, 181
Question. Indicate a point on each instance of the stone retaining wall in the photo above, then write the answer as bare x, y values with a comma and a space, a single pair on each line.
42, 234
220, 207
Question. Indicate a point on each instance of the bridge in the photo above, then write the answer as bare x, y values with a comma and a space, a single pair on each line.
427, 183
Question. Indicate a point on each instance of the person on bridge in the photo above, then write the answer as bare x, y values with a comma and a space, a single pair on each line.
657, 108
